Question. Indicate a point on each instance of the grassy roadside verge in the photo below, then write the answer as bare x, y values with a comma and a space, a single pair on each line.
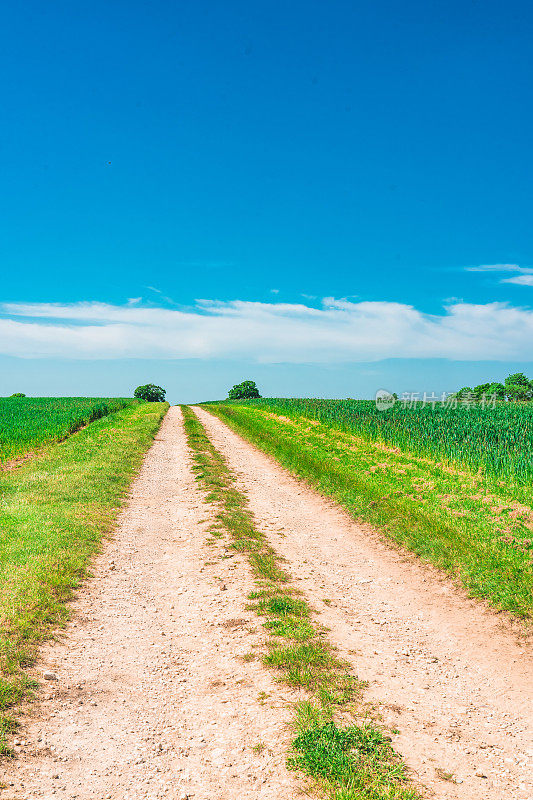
54, 512
337, 745
460, 521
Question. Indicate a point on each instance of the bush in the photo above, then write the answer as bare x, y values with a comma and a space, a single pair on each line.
244, 391
150, 392
18, 394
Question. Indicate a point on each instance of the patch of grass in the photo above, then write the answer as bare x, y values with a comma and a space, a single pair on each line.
351, 756
290, 628
53, 514
345, 762
470, 525
247, 657
444, 775
283, 605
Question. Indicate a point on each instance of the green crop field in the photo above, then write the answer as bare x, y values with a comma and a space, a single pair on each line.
28, 423
497, 441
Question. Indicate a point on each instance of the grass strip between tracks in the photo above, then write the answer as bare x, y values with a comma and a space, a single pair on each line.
337, 744
54, 512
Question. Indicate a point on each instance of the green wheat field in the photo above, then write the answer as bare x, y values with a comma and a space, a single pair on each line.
29, 423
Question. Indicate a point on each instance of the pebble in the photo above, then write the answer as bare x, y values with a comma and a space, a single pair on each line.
50, 676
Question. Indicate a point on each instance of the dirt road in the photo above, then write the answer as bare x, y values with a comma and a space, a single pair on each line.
153, 698
455, 681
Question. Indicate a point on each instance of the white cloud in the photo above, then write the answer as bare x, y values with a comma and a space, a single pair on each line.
521, 280
495, 268
523, 276
338, 331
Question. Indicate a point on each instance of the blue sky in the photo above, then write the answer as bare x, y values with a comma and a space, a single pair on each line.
345, 186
